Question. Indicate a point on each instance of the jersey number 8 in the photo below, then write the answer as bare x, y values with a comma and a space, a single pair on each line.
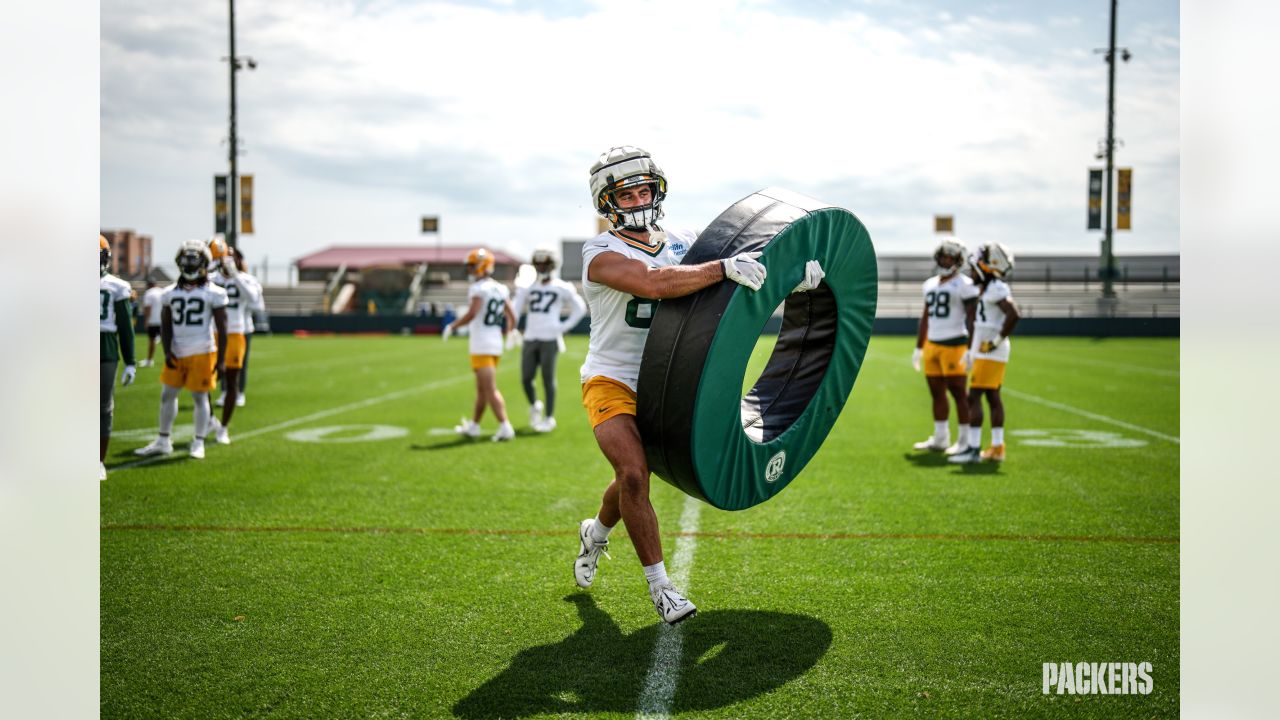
493, 313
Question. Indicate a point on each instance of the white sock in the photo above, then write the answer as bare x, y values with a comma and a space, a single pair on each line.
600, 531
168, 409
940, 429
962, 436
202, 414
656, 574
997, 435
975, 436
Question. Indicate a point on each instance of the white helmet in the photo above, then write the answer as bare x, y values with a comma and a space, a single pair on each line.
623, 167
951, 248
544, 261
994, 260
193, 259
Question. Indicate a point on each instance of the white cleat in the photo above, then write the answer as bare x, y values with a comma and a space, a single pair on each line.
222, 400
546, 426
197, 449
958, 448
102, 472
468, 428
505, 432
159, 446
535, 414
966, 456
672, 607
935, 443
240, 400
589, 552
221, 436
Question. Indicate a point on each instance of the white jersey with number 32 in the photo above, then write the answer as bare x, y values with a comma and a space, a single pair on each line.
619, 320
191, 309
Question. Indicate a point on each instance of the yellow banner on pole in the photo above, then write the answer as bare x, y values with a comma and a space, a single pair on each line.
246, 204
1124, 199
944, 223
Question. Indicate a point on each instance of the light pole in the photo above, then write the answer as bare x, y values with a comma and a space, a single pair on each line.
1108, 262
236, 64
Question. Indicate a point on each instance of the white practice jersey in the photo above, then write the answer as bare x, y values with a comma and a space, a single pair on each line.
944, 301
152, 305
192, 310
486, 327
243, 293
619, 320
990, 319
112, 290
544, 302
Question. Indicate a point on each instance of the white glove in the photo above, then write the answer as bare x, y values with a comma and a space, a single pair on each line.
744, 269
915, 358
813, 274
560, 343
967, 360
447, 332
130, 372
229, 269
514, 339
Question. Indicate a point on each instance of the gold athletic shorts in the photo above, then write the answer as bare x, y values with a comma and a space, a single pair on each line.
605, 398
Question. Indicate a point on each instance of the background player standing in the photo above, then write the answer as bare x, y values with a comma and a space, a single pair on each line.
243, 293
942, 343
489, 319
115, 342
193, 332
995, 319
543, 335
151, 306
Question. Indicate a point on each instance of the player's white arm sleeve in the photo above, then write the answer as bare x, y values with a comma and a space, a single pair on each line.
576, 314
517, 305
252, 291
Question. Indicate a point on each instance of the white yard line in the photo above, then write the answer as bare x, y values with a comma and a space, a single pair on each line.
1087, 414
664, 672
398, 394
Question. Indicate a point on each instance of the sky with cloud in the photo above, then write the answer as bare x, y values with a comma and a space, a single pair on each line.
365, 115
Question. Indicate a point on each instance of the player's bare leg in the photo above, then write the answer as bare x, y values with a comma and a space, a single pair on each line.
938, 391
489, 395
619, 440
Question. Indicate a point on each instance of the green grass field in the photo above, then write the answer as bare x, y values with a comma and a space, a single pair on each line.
323, 575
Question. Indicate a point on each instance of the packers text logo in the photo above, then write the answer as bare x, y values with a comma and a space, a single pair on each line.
773, 470
1108, 678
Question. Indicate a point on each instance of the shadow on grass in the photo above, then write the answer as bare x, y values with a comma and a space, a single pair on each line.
727, 656
486, 440
926, 458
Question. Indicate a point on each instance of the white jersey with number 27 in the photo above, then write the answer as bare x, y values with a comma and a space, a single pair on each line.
620, 321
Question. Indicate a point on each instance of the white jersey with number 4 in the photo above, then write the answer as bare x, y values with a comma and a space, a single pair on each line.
243, 293
944, 302
543, 301
111, 290
192, 309
990, 320
620, 321
486, 327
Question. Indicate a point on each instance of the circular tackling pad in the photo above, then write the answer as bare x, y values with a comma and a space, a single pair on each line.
700, 434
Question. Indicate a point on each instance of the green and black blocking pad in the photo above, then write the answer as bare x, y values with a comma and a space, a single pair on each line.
700, 434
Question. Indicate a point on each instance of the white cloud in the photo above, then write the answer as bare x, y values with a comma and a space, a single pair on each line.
360, 119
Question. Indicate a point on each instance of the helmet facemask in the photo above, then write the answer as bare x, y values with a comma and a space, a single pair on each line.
625, 167
952, 249
543, 262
